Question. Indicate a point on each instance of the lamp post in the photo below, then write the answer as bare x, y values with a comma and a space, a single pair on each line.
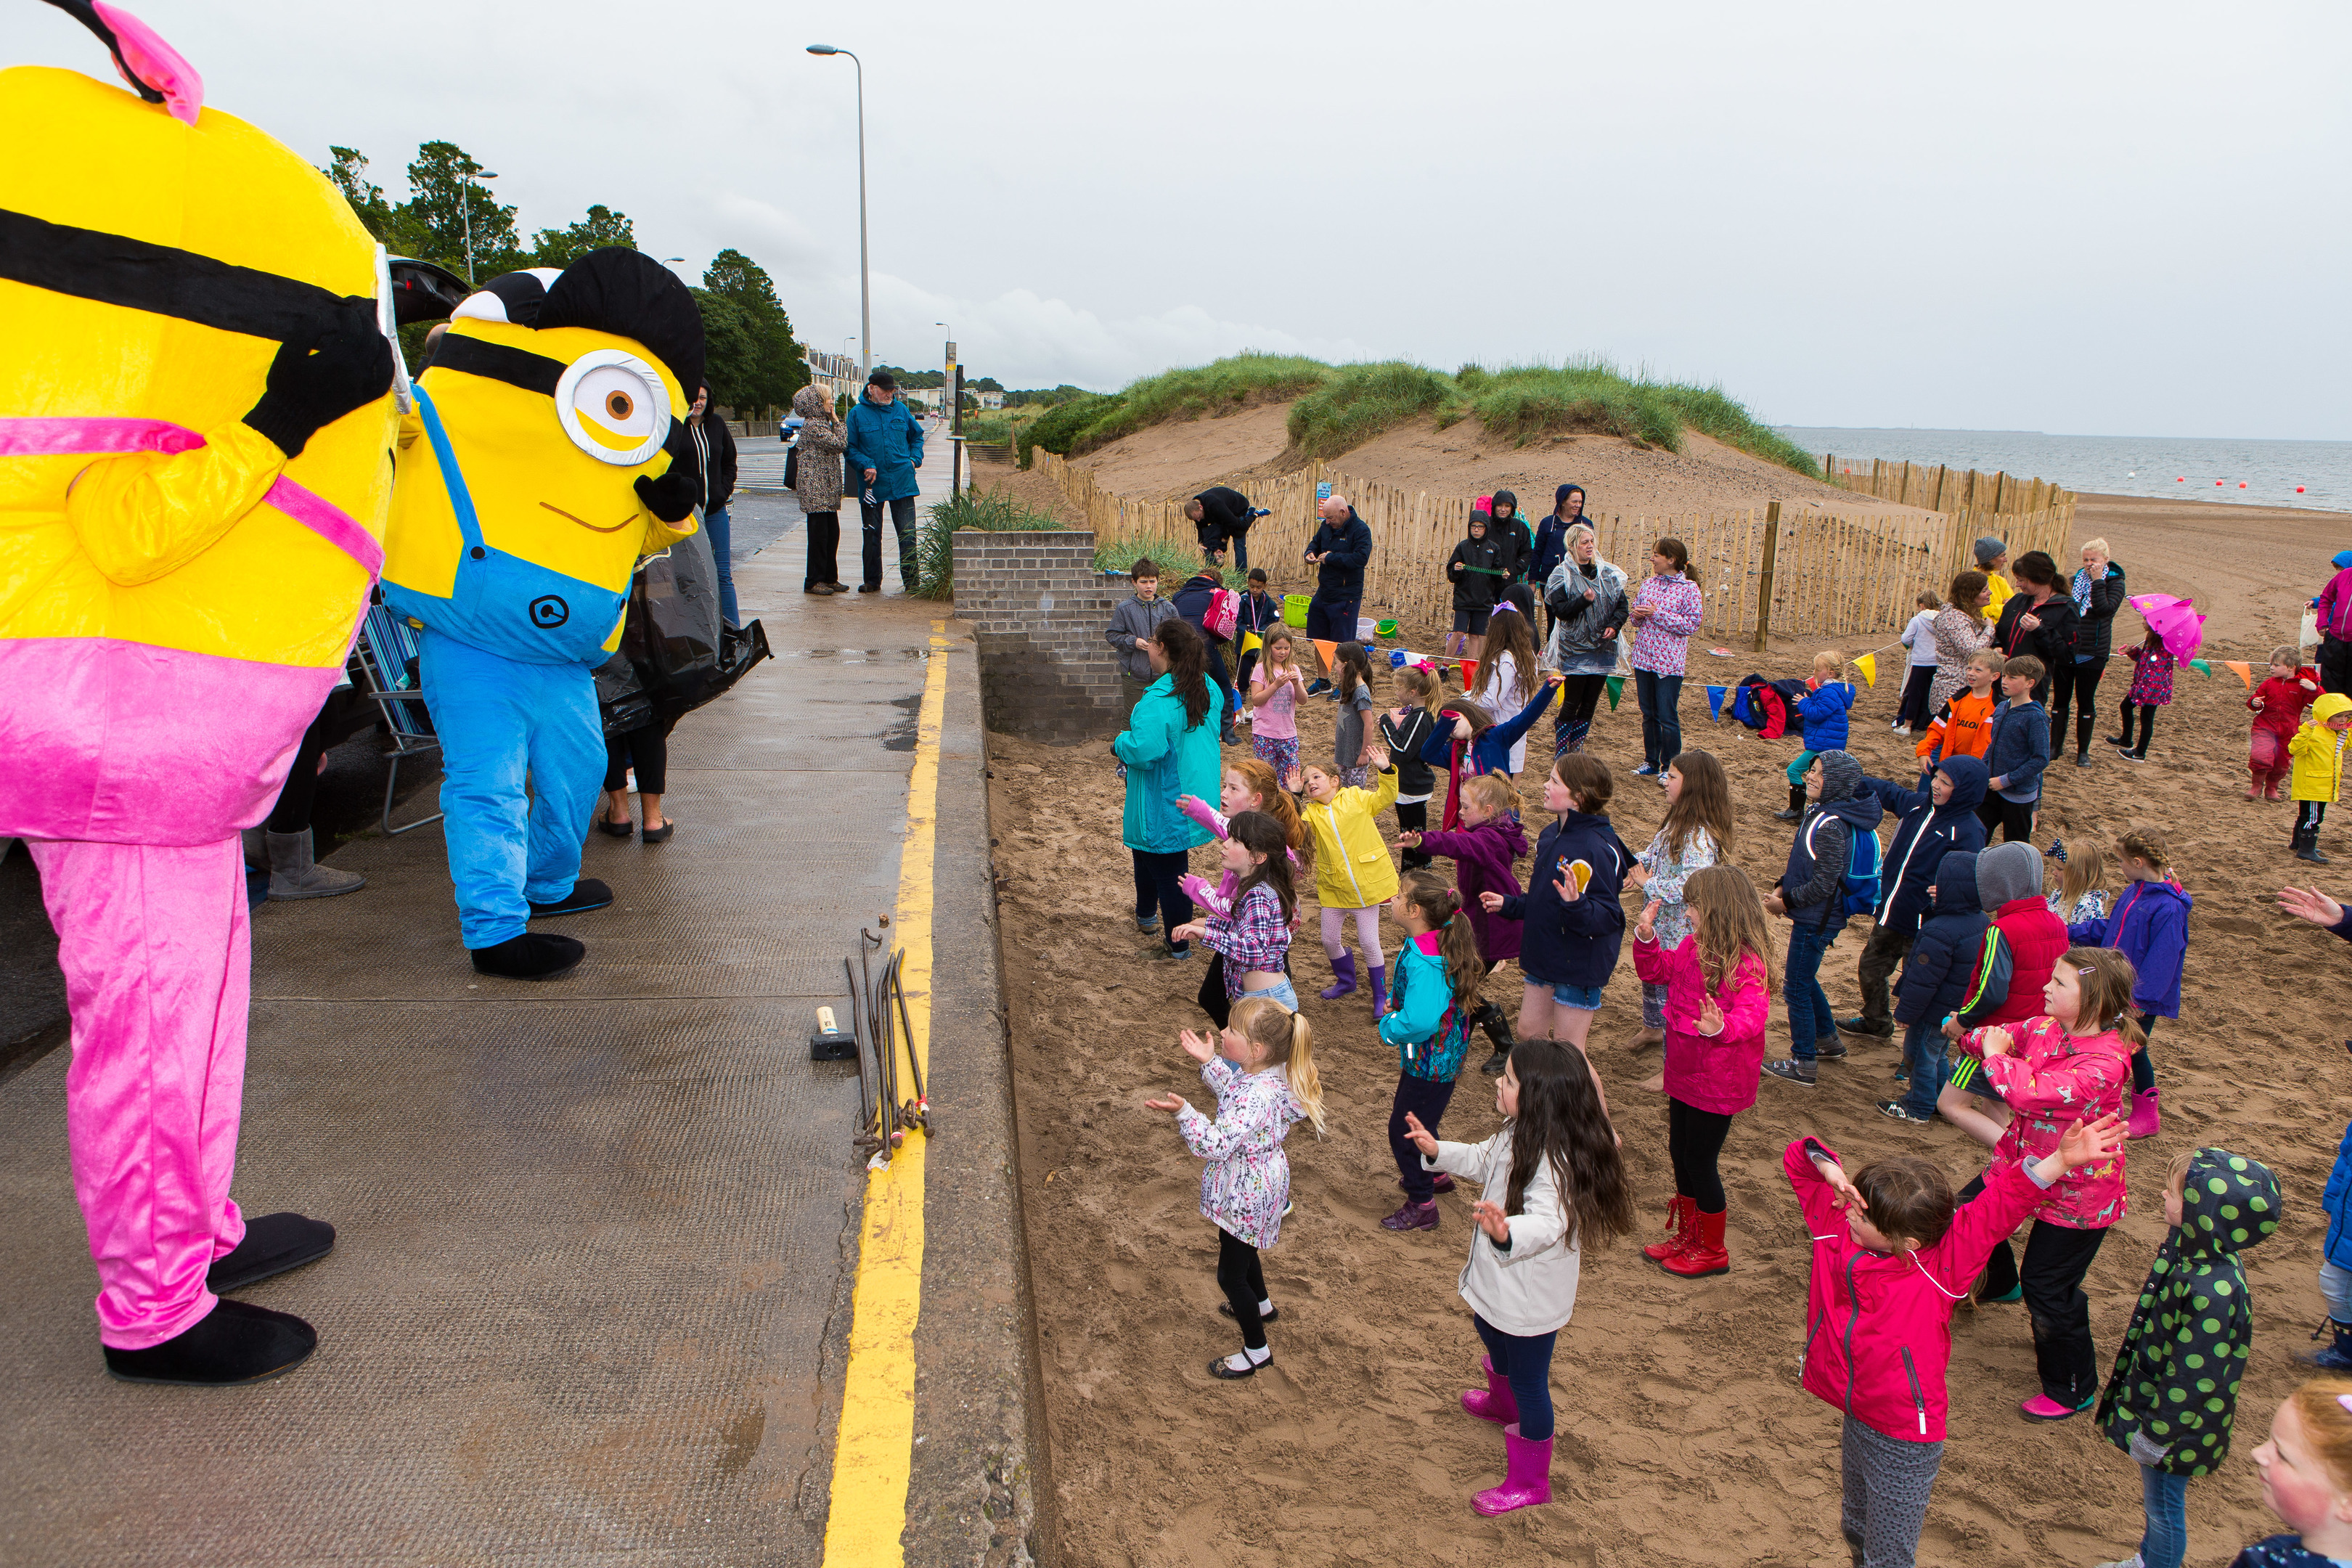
864, 278
466, 214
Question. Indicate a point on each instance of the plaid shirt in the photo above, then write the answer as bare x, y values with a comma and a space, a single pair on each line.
1658, 641
1255, 936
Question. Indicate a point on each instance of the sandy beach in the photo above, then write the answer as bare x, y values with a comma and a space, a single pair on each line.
1683, 1435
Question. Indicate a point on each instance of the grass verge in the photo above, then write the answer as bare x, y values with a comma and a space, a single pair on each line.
990, 512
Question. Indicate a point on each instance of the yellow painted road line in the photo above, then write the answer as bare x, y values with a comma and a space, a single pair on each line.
874, 1449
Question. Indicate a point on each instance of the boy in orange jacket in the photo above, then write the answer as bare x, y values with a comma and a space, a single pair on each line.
1964, 728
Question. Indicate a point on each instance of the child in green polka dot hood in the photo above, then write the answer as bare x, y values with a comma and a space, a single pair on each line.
2169, 1401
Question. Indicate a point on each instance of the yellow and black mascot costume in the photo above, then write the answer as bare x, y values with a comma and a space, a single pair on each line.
197, 416
542, 471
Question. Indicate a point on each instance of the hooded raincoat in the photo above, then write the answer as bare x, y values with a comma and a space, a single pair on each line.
2149, 926
1587, 635
1484, 853
2173, 1395
2318, 751
1813, 888
1927, 834
1167, 759
2022, 944
1937, 970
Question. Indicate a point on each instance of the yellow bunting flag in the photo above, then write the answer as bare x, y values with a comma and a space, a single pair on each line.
1252, 642
1868, 665
2245, 671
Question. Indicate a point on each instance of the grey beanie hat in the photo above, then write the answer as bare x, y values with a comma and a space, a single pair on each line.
1989, 550
1841, 777
2007, 872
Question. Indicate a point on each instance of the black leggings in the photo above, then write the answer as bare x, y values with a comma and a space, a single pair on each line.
1243, 1279
1914, 712
647, 750
1694, 1143
1578, 696
292, 812
1413, 818
2056, 1259
2081, 682
2146, 726
1159, 886
2307, 814
2143, 1069
824, 548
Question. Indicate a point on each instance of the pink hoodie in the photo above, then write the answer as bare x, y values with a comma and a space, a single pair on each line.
2049, 1077
1713, 1072
1878, 1326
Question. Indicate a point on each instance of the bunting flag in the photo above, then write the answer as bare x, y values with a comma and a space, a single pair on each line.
2245, 672
1715, 702
1868, 665
1252, 642
1616, 684
1469, 675
1329, 651
2202, 667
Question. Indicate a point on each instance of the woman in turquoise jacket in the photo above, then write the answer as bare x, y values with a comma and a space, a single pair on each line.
885, 449
1168, 751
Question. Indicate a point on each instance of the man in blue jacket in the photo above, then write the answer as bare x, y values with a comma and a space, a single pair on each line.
886, 448
1934, 822
1339, 552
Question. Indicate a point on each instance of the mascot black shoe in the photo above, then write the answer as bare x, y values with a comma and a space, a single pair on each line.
236, 1342
534, 955
273, 1244
587, 893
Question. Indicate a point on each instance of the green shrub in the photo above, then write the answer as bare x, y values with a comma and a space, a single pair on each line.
994, 430
1361, 401
1057, 430
990, 512
1218, 387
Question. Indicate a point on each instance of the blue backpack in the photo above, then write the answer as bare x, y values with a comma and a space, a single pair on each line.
1864, 865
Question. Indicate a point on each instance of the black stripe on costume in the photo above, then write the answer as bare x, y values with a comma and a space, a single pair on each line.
114, 269
497, 361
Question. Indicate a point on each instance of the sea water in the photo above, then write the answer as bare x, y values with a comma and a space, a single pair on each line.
2269, 473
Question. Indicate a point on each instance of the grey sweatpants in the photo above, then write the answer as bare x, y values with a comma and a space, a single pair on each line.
1887, 1483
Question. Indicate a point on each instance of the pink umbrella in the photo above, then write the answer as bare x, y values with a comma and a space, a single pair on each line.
2175, 620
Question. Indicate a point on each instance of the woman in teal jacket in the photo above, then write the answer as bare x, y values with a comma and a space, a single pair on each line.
885, 446
1168, 751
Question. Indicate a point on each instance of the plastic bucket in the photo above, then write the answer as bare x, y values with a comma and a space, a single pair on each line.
1387, 629
1366, 630
1294, 609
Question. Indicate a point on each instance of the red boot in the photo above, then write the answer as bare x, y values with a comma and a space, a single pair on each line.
1705, 1255
1678, 1231
1527, 1477
1493, 1402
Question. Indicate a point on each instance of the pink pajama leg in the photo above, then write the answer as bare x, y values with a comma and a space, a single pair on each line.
157, 957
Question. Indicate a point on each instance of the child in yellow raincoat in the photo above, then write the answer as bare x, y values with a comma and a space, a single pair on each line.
2318, 751
1352, 872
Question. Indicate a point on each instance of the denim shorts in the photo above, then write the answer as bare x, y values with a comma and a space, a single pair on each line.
1281, 990
1584, 998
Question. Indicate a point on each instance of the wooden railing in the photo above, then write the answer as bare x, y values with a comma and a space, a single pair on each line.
1773, 571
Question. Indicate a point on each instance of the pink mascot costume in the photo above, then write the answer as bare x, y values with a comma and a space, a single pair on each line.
197, 408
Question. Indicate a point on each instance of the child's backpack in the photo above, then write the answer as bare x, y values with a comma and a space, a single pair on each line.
1865, 862
1224, 612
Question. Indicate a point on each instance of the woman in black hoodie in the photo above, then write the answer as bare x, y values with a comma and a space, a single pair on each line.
1510, 532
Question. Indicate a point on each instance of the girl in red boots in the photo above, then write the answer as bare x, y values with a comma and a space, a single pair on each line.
1718, 997
1555, 1166
2278, 704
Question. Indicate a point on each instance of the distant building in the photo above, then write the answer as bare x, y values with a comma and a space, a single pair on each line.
992, 399
837, 373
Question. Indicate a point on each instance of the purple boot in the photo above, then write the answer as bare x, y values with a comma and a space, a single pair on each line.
1344, 966
1379, 989
1527, 1482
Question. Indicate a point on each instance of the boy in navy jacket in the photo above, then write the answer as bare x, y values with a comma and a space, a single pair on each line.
1935, 981
2018, 752
1938, 817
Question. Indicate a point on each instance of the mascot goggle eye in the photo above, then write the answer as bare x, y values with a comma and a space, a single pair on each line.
614, 406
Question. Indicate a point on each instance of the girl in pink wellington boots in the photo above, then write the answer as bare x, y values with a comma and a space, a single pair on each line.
1556, 1168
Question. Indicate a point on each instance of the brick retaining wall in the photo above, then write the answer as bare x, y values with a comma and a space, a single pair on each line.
1038, 608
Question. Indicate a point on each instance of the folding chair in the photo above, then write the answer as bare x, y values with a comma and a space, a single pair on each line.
386, 643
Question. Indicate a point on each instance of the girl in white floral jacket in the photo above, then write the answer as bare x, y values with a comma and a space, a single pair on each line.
1262, 1069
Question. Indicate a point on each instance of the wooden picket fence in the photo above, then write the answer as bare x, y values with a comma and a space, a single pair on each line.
1761, 574
1945, 489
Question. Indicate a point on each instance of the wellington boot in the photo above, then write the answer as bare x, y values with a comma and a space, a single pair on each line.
1796, 805
1497, 1024
236, 1342
2145, 1122
1493, 1402
1705, 1255
1379, 989
1344, 967
1527, 1477
1678, 1231
2336, 1357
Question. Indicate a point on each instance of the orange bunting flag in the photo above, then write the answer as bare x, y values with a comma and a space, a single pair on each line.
1330, 650
1868, 665
2245, 671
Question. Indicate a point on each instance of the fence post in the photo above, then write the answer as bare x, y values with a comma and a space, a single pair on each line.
1764, 583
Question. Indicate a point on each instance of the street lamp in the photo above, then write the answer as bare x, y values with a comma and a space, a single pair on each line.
465, 212
864, 278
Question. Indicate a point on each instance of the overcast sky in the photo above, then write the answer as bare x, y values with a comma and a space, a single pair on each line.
2091, 217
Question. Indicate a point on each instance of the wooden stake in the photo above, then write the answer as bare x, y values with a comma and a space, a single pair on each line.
1764, 579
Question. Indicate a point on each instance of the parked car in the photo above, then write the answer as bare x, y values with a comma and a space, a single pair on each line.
787, 427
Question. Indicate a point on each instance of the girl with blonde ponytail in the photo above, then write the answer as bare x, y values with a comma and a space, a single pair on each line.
1437, 974
1262, 1070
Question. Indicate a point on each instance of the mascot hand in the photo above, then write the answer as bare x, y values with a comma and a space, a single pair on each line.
669, 497
347, 364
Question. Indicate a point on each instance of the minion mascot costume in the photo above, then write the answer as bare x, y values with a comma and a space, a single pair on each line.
196, 418
544, 471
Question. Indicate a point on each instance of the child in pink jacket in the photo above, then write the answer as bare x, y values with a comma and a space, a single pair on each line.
1718, 983
2072, 1062
1878, 1312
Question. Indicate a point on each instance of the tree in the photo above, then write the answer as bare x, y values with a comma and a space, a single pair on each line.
445, 196
349, 172
986, 383
603, 226
760, 365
